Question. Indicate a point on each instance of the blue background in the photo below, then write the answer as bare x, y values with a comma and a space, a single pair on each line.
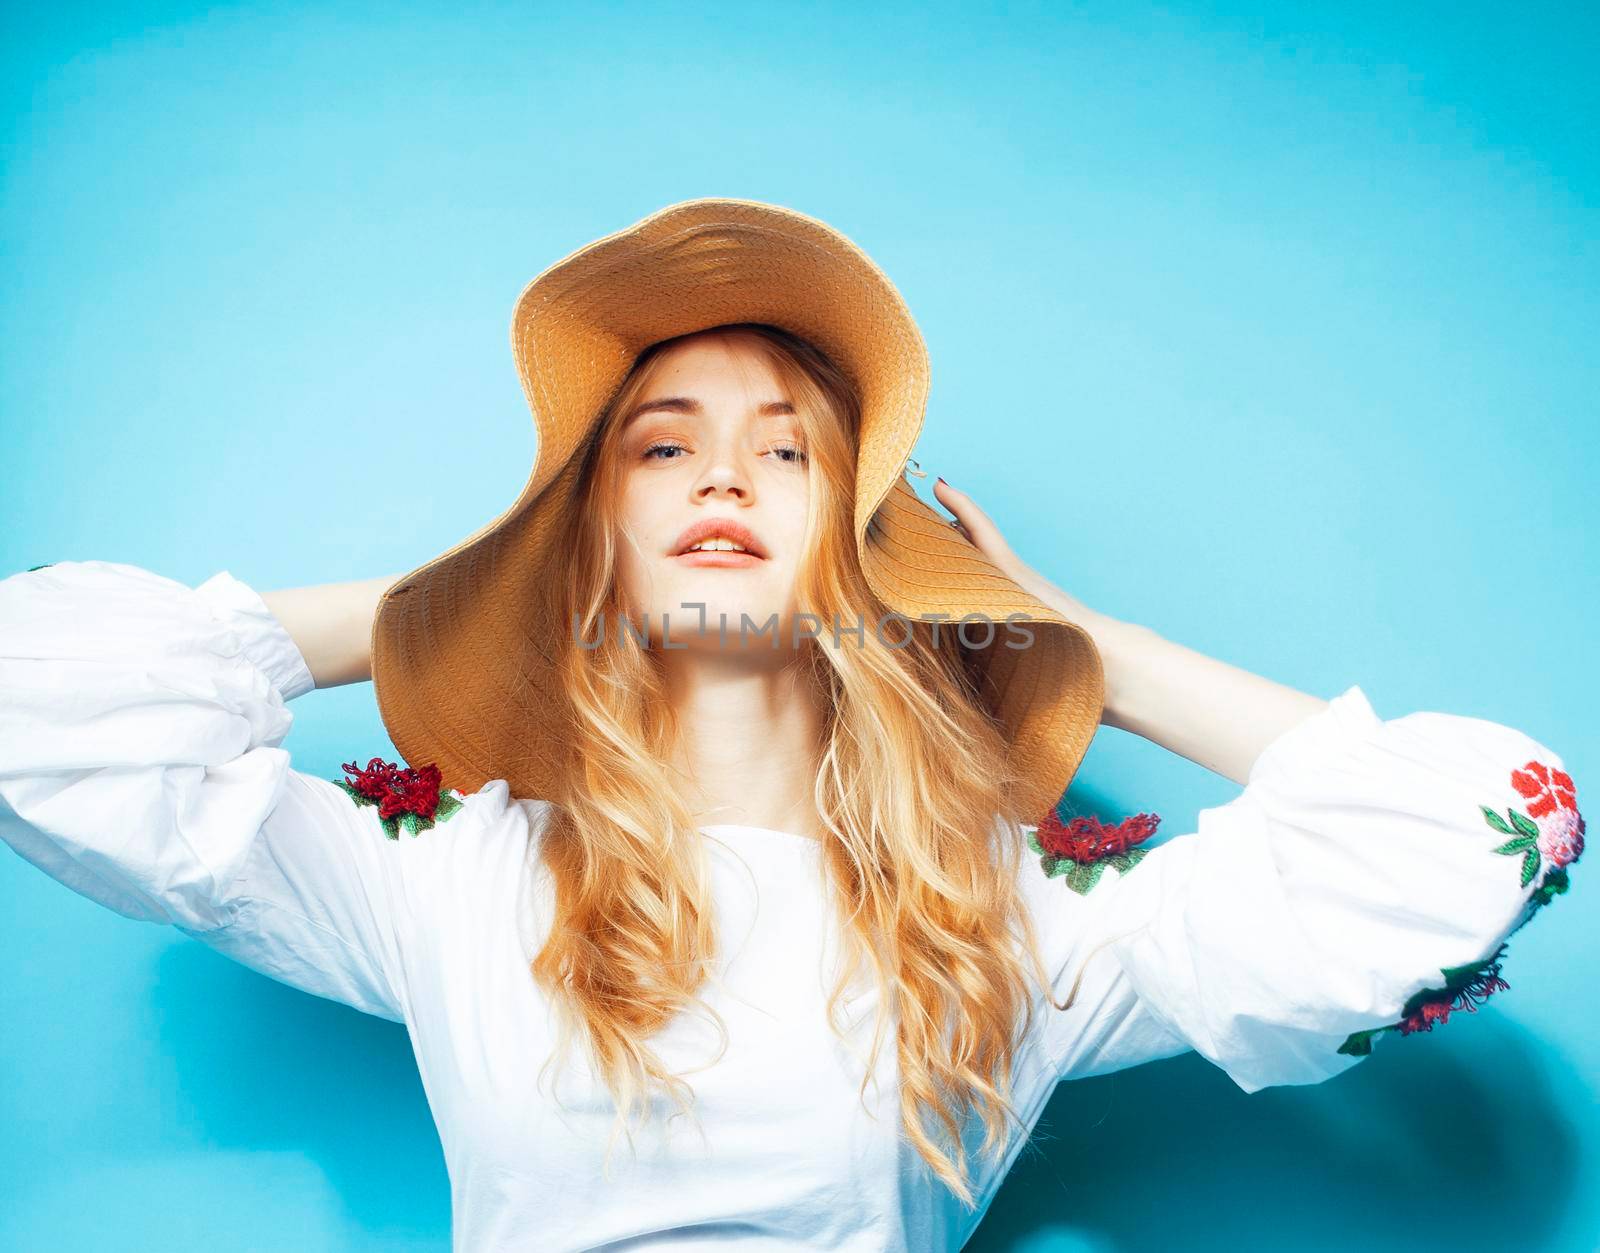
1274, 330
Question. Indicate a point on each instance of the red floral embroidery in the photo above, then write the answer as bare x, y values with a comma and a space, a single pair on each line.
397, 790
1465, 988
1083, 848
1551, 830
406, 797
1468, 998
1544, 789
1553, 800
1088, 839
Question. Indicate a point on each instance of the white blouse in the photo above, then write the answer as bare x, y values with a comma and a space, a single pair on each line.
1361, 886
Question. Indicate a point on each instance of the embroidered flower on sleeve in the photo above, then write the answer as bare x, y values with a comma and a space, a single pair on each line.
406, 797
1465, 988
1550, 833
1549, 836
1083, 848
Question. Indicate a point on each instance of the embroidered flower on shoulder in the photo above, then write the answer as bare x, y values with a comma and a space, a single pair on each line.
406, 797
1549, 834
1083, 848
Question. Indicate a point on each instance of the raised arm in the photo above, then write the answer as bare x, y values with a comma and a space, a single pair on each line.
1362, 886
331, 625
140, 765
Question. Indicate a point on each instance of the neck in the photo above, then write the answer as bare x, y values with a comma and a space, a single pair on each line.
748, 750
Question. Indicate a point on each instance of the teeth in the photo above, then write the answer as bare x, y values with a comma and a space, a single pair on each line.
716, 546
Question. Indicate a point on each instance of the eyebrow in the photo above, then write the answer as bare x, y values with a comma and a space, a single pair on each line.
689, 405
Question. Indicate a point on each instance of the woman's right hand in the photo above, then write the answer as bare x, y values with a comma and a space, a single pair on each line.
331, 624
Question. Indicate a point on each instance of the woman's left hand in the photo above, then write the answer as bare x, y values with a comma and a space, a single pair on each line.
979, 528
1155, 688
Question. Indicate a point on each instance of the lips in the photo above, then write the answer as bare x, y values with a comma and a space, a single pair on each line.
726, 528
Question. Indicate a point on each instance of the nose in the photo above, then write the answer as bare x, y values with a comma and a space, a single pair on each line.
724, 475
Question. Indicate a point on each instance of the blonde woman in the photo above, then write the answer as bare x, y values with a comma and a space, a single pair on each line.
678, 860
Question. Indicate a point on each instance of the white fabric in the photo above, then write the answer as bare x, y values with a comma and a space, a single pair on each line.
140, 765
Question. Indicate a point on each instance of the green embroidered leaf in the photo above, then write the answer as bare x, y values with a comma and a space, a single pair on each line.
1083, 876
414, 824
1055, 867
1359, 1043
1554, 884
1517, 844
391, 826
1495, 821
1524, 824
1033, 842
354, 795
1457, 977
1530, 866
1126, 861
448, 805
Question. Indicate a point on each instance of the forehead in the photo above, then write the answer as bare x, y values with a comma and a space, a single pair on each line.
698, 376
690, 406
719, 363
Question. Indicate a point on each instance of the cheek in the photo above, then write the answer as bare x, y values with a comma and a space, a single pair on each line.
630, 501
637, 524
633, 531
793, 524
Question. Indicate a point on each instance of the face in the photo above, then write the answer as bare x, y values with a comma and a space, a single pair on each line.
713, 442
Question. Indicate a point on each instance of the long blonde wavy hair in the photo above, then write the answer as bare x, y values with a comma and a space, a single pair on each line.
913, 785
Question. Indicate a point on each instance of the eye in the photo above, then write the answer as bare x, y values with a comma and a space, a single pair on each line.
789, 454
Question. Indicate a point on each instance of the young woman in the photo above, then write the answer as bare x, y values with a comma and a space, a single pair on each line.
779, 903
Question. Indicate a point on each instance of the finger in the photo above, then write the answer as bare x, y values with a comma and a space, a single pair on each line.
975, 523
956, 502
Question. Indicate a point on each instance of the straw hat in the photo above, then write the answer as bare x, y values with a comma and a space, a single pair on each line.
464, 647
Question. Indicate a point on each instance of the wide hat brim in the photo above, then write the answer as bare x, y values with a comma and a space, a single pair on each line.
464, 647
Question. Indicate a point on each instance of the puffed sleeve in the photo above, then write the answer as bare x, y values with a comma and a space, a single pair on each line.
140, 725
1361, 887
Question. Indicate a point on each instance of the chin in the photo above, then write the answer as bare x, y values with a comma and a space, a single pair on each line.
723, 611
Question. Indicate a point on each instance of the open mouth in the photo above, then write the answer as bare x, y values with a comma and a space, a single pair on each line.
718, 542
